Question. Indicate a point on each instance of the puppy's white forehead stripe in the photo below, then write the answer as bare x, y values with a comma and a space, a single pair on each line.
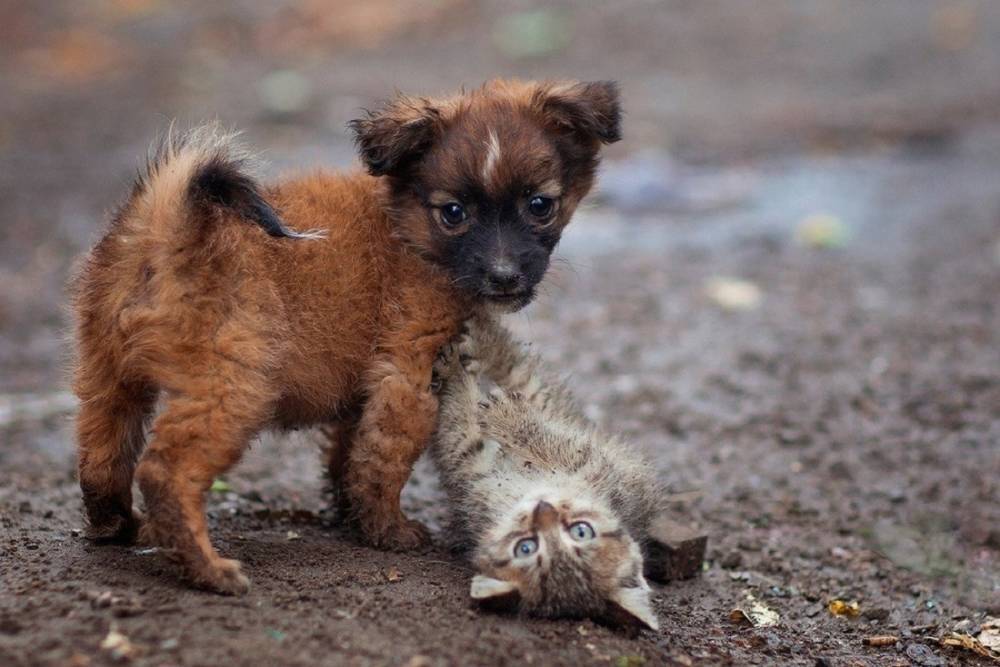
492, 156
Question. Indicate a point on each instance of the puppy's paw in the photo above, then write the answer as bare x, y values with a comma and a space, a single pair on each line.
401, 535
115, 528
222, 575
446, 360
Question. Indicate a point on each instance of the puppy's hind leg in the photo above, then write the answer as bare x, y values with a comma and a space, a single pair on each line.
110, 429
201, 433
335, 444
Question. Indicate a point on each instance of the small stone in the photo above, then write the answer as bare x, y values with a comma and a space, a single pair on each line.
733, 293
675, 551
875, 613
9, 626
921, 654
732, 560
102, 600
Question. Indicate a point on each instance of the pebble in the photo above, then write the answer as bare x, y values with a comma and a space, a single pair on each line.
921, 654
732, 560
875, 613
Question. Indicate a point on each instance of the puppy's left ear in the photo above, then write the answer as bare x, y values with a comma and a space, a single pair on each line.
588, 109
392, 137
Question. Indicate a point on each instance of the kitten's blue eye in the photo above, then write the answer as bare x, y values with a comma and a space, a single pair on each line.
525, 547
581, 531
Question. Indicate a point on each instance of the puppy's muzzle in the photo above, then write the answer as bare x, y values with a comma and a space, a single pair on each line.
504, 279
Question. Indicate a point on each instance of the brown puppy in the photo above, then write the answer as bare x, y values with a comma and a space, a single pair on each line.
199, 292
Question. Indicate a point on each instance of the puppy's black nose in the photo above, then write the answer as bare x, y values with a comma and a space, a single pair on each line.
504, 278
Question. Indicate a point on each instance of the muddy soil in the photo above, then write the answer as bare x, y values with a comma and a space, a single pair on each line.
835, 430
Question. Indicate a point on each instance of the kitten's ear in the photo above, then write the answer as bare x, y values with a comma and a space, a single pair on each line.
589, 109
494, 594
399, 132
632, 606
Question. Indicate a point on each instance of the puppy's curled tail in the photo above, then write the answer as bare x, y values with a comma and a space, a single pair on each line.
194, 178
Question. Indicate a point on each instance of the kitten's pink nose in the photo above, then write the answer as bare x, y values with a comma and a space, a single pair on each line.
545, 516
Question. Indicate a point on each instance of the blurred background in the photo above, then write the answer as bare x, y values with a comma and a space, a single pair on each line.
785, 287
87, 85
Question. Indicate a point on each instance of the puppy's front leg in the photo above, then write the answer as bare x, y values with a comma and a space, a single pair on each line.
398, 420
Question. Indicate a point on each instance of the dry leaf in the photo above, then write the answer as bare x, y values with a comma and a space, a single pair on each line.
755, 614
393, 574
118, 645
842, 608
220, 485
989, 634
958, 640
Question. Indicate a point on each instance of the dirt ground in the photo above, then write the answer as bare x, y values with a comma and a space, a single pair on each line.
831, 418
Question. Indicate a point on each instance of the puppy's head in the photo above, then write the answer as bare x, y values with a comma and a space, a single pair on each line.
483, 183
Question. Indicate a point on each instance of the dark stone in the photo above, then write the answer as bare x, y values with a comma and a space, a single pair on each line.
674, 551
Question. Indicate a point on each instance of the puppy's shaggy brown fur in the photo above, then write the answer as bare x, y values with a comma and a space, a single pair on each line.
201, 294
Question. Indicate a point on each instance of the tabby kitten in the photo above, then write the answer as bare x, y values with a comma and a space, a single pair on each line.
555, 512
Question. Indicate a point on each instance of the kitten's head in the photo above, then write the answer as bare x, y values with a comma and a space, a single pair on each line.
564, 555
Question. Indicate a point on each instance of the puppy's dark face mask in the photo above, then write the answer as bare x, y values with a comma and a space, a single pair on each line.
484, 183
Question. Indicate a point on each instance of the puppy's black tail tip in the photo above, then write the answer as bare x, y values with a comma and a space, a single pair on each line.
221, 182
209, 170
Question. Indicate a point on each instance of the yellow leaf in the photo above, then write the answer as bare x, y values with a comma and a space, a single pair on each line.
755, 613
842, 608
822, 230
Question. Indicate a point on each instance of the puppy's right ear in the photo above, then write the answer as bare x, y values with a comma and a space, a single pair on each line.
588, 109
392, 137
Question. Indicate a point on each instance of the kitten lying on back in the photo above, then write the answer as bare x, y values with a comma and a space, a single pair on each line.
555, 511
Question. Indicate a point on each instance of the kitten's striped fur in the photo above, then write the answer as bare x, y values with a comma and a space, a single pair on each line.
519, 461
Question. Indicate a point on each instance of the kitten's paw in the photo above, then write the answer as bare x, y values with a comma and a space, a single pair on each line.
222, 575
490, 393
468, 354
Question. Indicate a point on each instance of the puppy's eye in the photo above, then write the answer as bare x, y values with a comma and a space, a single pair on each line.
453, 214
581, 531
541, 207
525, 547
